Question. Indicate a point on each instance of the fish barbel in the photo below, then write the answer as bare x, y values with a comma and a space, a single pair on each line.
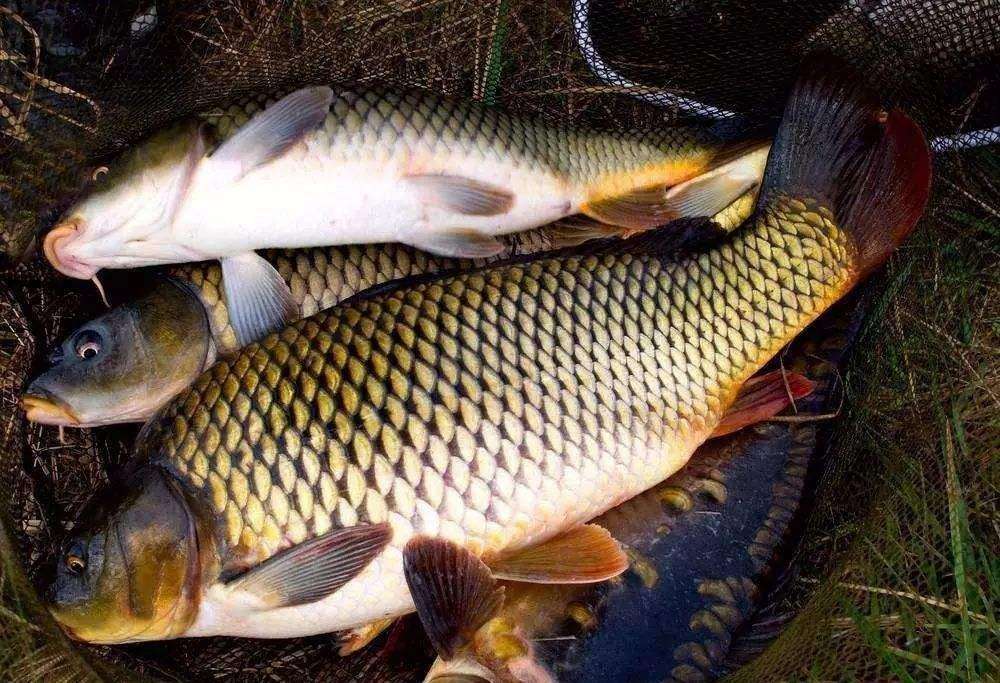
127, 363
406, 449
322, 167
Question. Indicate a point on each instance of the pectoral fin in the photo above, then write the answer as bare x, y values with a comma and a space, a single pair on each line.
454, 592
761, 398
315, 569
465, 244
270, 133
258, 298
586, 554
461, 195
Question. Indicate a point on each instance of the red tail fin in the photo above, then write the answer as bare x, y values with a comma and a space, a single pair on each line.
762, 397
837, 144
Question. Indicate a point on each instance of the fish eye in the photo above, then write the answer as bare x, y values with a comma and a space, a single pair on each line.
75, 564
98, 172
87, 344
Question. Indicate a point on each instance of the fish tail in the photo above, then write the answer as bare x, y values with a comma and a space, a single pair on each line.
869, 166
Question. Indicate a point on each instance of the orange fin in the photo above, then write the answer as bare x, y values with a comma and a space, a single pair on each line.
586, 554
640, 209
836, 143
734, 171
762, 397
357, 638
453, 591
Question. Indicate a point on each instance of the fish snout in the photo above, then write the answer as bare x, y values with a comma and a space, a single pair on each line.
41, 407
57, 250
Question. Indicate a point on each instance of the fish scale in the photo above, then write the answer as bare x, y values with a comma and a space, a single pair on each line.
375, 123
320, 277
494, 407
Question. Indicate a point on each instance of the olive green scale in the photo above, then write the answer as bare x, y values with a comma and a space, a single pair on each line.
498, 405
321, 277
377, 124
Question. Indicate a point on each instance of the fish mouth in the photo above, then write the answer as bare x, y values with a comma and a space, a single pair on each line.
48, 410
55, 249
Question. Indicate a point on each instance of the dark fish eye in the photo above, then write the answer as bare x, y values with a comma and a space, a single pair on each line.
87, 344
75, 564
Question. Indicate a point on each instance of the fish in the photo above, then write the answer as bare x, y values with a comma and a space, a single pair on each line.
128, 362
729, 513
324, 166
410, 448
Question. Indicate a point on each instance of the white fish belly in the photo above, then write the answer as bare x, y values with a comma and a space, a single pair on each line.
380, 590
306, 199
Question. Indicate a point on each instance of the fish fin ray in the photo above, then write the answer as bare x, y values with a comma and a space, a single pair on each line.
461, 195
316, 568
454, 592
273, 131
735, 170
358, 638
762, 397
258, 298
467, 244
586, 554
872, 168
710, 193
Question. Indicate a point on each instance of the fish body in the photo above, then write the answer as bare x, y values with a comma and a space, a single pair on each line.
703, 547
525, 418
323, 166
402, 449
127, 363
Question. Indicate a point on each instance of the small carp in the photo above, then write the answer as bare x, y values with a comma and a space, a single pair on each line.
324, 167
407, 449
124, 365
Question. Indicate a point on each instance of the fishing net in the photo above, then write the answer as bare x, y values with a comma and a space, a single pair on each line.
895, 570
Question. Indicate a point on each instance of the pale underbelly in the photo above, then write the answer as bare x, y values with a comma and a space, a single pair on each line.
380, 590
322, 204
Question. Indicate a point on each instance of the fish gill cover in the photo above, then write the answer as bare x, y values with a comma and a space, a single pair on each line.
894, 576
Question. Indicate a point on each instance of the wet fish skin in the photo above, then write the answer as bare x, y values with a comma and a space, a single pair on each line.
328, 166
489, 411
148, 350
491, 408
321, 277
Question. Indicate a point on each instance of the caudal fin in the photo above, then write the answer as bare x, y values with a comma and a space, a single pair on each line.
836, 144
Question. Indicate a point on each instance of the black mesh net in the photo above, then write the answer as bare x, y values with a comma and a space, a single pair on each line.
893, 572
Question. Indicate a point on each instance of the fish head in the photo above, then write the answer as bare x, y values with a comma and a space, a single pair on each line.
133, 566
123, 220
124, 365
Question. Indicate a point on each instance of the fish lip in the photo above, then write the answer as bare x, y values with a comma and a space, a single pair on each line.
41, 407
56, 240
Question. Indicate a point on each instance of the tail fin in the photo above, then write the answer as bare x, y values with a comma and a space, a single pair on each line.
836, 144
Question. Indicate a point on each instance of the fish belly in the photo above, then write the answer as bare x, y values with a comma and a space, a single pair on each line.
380, 590
309, 199
493, 408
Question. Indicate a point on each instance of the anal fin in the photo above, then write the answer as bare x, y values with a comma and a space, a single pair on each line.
355, 639
762, 397
453, 591
586, 554
258, 298
316, 568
